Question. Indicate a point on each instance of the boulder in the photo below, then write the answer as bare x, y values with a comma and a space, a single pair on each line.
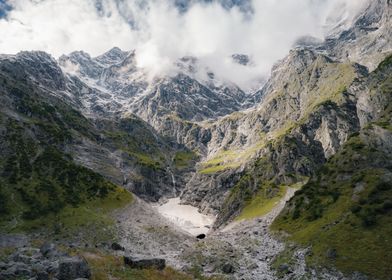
73, 268
117, 247
52, 267
145, 263
332, 253
3, 266
228, 268
48, 250
42, 275
284, 268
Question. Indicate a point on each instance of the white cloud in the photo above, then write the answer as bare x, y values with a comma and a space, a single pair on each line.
161, 34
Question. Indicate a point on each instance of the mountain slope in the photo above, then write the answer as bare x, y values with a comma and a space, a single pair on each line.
124, 149
367, 41
293, 130
346, 207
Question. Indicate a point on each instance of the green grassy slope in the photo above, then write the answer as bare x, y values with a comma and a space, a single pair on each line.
40, 184
346, 208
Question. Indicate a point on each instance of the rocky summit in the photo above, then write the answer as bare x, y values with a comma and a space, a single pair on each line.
109, 173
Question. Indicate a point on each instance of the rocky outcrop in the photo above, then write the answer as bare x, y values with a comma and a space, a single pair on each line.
144, 263
73, 268
43, 264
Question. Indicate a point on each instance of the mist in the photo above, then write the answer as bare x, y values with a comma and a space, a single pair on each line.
161, 33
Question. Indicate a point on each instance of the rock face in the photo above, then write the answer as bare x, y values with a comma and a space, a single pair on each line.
368, 40
145, 263
118, 84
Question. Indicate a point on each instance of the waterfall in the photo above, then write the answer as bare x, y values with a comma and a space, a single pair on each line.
173, 178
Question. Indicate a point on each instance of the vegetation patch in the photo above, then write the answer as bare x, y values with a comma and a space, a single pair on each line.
344, 213
262, 203
90, 222
184, 159
104, 267
231, 159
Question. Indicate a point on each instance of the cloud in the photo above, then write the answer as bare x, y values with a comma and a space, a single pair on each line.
161, 33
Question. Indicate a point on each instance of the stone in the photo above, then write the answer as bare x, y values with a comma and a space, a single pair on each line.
42, 276
332, 253
3, 265
253, 266
228, 268
145, 263
53, 267
38, 267
117, 247
48, 250
72, 268
22, 258
284, 268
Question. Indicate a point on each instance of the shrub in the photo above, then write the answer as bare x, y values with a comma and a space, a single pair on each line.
355, 209
3, 202
384, 186
368, 218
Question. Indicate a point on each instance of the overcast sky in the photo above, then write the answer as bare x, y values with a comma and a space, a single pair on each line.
160, 33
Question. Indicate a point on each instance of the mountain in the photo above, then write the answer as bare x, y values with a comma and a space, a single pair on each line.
190, 99
349, 197
41, 100
79, 132
366, 42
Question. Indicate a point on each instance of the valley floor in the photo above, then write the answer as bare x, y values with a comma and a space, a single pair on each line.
242, 250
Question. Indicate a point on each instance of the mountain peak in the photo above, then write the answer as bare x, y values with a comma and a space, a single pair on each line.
113, 56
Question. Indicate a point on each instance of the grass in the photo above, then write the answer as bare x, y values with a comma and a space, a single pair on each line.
90, 221
286, 257
105, 267
218, 168
261, 204
231, 159
183, 159
346, 208
147, 160
5, 252
220, 162
264, 201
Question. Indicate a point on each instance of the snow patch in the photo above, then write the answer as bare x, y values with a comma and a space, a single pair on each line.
187, 217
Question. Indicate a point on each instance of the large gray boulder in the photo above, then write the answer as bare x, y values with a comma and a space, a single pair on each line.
145, 263
73, 268
49, 250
